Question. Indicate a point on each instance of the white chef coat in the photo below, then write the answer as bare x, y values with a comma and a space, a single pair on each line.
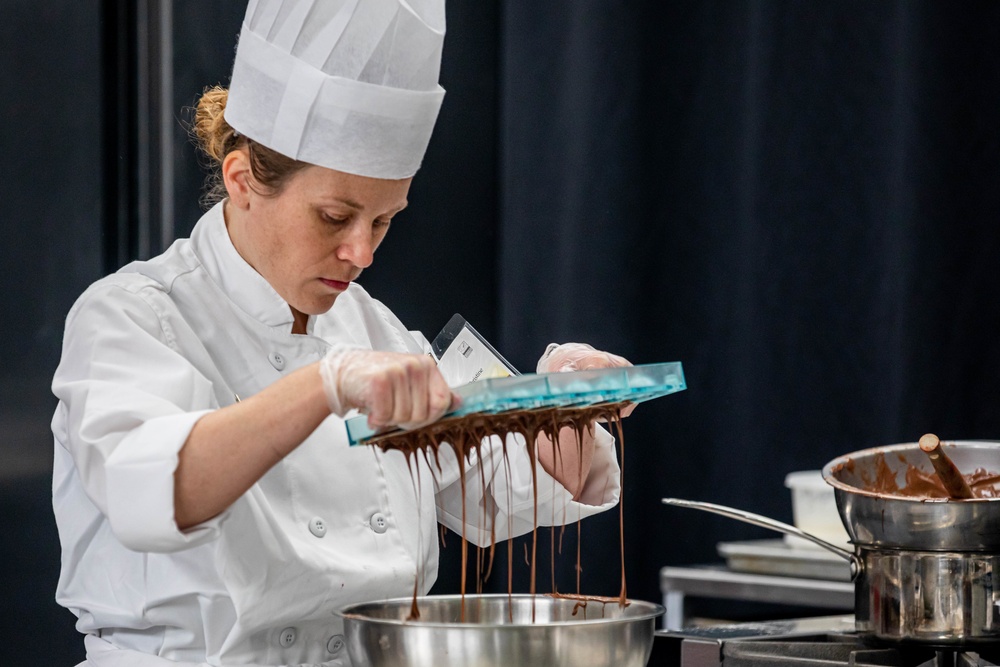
147, 352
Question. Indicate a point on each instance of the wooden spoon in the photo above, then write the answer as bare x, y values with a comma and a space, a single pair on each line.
950, 476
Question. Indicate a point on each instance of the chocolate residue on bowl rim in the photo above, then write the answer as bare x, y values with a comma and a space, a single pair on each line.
918, 484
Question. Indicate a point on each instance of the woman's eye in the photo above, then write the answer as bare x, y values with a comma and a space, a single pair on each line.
382, 224
335, 220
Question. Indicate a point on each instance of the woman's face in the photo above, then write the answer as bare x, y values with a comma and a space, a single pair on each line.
316, 235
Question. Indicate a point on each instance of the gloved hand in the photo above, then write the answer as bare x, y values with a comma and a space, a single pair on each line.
560, 358
405, 390
576, 357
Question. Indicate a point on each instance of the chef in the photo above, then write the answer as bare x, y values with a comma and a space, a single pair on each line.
209, 508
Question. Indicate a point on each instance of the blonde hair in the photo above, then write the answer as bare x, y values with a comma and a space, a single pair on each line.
216, 139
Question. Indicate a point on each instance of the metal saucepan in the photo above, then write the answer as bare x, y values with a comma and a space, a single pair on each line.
500, 630
935, 599
928, 564
923, 570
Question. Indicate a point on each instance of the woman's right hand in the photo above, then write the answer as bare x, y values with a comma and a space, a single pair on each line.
397, 389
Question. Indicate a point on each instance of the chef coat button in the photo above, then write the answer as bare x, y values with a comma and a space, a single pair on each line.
317, 526
277, 361
287, 637
378, 523
336, 644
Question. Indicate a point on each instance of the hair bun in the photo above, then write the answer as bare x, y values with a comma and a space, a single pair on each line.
214, 135
216, 139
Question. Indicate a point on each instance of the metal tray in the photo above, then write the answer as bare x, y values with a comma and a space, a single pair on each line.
781, 558
552, 390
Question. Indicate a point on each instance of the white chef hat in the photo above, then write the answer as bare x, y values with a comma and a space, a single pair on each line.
347, 84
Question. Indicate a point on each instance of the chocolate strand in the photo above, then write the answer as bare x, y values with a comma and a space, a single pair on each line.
621, 504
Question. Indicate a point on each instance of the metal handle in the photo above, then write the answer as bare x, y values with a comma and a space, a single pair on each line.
770, 524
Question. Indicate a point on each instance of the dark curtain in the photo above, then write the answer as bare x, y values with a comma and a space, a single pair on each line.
799, 201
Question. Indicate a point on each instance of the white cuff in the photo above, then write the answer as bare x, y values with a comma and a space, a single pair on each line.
140, 487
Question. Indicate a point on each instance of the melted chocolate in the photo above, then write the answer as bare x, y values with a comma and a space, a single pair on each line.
466, 435
582, 600
920, 483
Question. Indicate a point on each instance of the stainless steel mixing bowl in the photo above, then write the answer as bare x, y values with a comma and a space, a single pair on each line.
500, 631
887, 521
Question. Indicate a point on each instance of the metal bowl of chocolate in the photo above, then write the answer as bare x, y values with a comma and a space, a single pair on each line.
501, 630
890, 497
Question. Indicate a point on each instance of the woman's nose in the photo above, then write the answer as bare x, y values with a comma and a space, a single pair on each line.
358, 247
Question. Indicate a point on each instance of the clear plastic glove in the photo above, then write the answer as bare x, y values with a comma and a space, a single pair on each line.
561, 358
394, 389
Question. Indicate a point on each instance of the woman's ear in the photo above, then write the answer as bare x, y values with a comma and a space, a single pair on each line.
237, 176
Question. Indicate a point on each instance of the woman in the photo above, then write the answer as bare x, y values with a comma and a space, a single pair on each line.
209, 508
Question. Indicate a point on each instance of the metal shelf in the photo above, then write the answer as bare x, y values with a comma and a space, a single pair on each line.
678, 583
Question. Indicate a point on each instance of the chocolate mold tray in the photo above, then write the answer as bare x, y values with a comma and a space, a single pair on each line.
552, 390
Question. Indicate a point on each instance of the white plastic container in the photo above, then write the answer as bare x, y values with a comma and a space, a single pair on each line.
814, 510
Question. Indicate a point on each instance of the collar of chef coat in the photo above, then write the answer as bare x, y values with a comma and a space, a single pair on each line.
240, 281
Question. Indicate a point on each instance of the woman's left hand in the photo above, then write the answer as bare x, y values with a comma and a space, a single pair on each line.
564, 357
559, 358
571, 465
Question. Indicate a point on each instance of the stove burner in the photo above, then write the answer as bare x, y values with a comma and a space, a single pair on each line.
826, 642
838, 651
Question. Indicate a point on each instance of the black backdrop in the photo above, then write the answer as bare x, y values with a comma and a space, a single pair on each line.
797, 200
